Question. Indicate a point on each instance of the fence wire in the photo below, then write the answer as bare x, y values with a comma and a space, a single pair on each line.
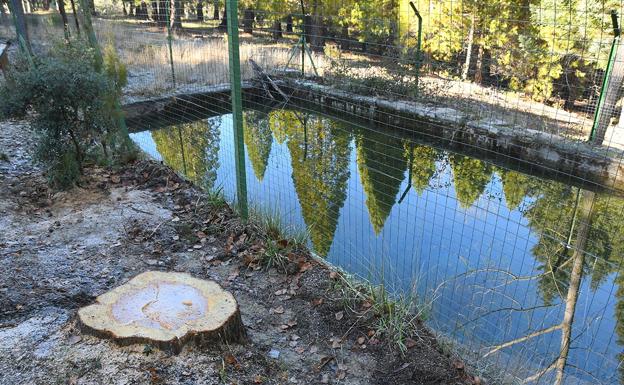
478, 167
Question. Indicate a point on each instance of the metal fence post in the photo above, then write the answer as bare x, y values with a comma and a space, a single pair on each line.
237, 106
609, 90
418, 44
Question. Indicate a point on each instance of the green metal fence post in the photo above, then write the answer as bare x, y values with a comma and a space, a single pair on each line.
237, 106
418, 44
605, 83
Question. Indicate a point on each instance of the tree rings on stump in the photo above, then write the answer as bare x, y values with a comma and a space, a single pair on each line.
166, 310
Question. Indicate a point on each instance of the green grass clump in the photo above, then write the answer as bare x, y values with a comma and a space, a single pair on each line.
394, 316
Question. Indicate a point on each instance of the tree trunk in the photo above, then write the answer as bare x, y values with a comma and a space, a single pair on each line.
92, 5
3, 13
289, 24
162, 12
223, 24
73, 5
155, 14
478, 76
248, 21
200, 11
175, 14
317, 40
46, 5
575, 283
61, 7
215, 12
277, 30
21, 28
26, 6
466, 68
345, 44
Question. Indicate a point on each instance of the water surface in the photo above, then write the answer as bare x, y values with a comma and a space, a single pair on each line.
501, 255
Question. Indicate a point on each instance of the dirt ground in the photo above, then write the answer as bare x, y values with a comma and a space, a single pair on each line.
59, 250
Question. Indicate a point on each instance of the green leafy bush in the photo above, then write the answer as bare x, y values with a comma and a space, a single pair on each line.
72, 104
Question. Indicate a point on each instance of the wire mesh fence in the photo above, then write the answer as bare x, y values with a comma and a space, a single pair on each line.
467, 153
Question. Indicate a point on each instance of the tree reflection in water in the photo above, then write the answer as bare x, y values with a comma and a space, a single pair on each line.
577, 235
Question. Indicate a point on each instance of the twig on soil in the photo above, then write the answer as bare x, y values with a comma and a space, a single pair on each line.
139, 210
154, 231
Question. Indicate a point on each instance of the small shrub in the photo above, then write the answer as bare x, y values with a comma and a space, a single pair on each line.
73, 107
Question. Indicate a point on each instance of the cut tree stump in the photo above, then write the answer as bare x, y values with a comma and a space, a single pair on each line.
166, 310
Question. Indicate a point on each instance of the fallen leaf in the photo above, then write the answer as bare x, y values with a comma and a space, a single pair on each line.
341, 374
201, 234
361, 340
300, 350
339, 315
258, 379
333, 275
154, 377
233, 275
410, 343
282, 243
281, 292
318, 301
241, 240
229, 359
324, 361
459, 365
277, 310
229, 244
304, 266
249, 259
336, 342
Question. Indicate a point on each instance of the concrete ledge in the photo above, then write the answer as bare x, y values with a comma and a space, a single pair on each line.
533, 152
557, 157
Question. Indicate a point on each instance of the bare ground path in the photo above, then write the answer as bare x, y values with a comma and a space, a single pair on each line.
59, 250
